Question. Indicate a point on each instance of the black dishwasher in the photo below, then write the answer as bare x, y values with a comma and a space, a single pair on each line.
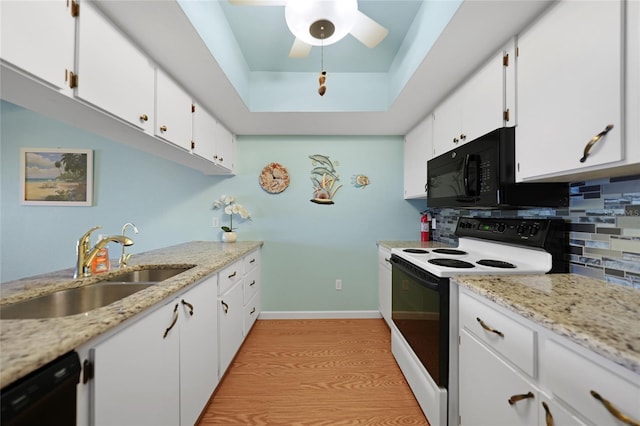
46, 396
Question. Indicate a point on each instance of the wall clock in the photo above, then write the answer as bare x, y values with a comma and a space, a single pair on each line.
274, 178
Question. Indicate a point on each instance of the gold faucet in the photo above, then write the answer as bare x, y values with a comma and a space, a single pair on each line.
85, 254
124, 257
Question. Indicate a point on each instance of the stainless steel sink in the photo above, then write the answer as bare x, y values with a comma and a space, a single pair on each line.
147, 275
71, 301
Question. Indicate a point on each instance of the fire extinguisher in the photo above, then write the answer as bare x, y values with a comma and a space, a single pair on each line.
425, 222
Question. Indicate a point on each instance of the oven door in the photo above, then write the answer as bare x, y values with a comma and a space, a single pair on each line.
420, 311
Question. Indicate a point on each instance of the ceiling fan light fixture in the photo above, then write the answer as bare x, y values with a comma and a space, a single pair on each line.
304, 19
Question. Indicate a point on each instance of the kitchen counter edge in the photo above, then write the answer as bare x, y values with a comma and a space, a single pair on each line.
31, 343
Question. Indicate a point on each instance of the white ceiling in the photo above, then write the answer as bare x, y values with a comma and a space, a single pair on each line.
259, 36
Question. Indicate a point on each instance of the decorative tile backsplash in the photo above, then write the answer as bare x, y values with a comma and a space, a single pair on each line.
603, 228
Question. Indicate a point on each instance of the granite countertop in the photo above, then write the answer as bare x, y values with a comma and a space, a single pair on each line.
599, 316
30, 343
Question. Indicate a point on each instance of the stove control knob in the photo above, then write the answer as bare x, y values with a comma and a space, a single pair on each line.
522, 229
501, 227
534, 230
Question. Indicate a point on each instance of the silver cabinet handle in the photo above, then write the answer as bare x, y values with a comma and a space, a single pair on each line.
593, 141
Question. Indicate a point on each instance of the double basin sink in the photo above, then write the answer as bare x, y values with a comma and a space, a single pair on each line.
89, 297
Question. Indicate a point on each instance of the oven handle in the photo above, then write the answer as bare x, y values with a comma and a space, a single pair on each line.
422, 280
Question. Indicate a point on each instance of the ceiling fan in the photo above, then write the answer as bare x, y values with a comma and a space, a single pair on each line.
323, 22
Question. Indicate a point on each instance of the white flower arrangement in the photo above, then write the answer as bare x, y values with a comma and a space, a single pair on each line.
231, 207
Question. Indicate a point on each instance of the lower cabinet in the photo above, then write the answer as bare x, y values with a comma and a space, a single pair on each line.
239, 306
161, 369
557, 383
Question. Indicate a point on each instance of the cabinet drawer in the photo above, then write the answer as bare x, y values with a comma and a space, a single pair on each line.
251, 261
515, 341
572, 377
251, 284
251, 312
229, 276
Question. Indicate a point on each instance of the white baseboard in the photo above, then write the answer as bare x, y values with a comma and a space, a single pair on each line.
267, 315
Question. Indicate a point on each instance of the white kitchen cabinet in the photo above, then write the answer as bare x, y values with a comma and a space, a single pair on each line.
225, 143
418, 149
514, 356
475, 108
212, 141
113, 74
162, 369
570, 89
239, 305
173, 113
137, 373
487, 384
384, 283
38, 37
198, 348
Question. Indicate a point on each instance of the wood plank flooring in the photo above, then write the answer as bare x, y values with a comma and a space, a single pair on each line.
314, 372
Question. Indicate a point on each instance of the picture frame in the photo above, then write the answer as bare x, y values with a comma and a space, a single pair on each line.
56, 177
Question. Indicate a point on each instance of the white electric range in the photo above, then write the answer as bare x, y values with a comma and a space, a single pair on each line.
424, 310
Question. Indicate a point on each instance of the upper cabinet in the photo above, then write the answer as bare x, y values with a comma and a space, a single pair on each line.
113, 74
173, 112
478, 106
418, 147
571, 90
212, 141
39, 37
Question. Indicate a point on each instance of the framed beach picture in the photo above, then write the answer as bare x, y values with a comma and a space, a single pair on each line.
56, 176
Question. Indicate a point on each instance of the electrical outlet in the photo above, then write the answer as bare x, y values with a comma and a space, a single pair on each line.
215, 223
338, 284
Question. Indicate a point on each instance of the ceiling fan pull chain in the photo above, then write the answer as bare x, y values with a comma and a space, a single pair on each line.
323, 74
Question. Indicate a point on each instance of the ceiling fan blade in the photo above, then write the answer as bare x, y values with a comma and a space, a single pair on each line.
258, 2
368, 31
300, 49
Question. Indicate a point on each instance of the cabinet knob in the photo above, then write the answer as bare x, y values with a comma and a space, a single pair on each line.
593, 141
463, 136
144, 117
163, 128
614, 410
456, 140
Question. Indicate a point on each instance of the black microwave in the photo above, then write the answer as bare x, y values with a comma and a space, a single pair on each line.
481, 174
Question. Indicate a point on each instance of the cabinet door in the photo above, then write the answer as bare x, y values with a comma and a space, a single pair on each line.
384, 284
39, 38
570, 88
173, 112
486, 386
204, 130
225, 147
113, 74
198, 349
483, 100
230, 325
137, 368
447, 124
418, 148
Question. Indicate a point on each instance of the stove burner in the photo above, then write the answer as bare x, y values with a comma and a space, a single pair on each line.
451, 263
419, 251
495, 263
449, 251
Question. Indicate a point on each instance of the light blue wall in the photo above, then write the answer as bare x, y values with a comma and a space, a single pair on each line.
307, 246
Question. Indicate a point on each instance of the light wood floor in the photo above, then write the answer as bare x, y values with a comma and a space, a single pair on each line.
314, 372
